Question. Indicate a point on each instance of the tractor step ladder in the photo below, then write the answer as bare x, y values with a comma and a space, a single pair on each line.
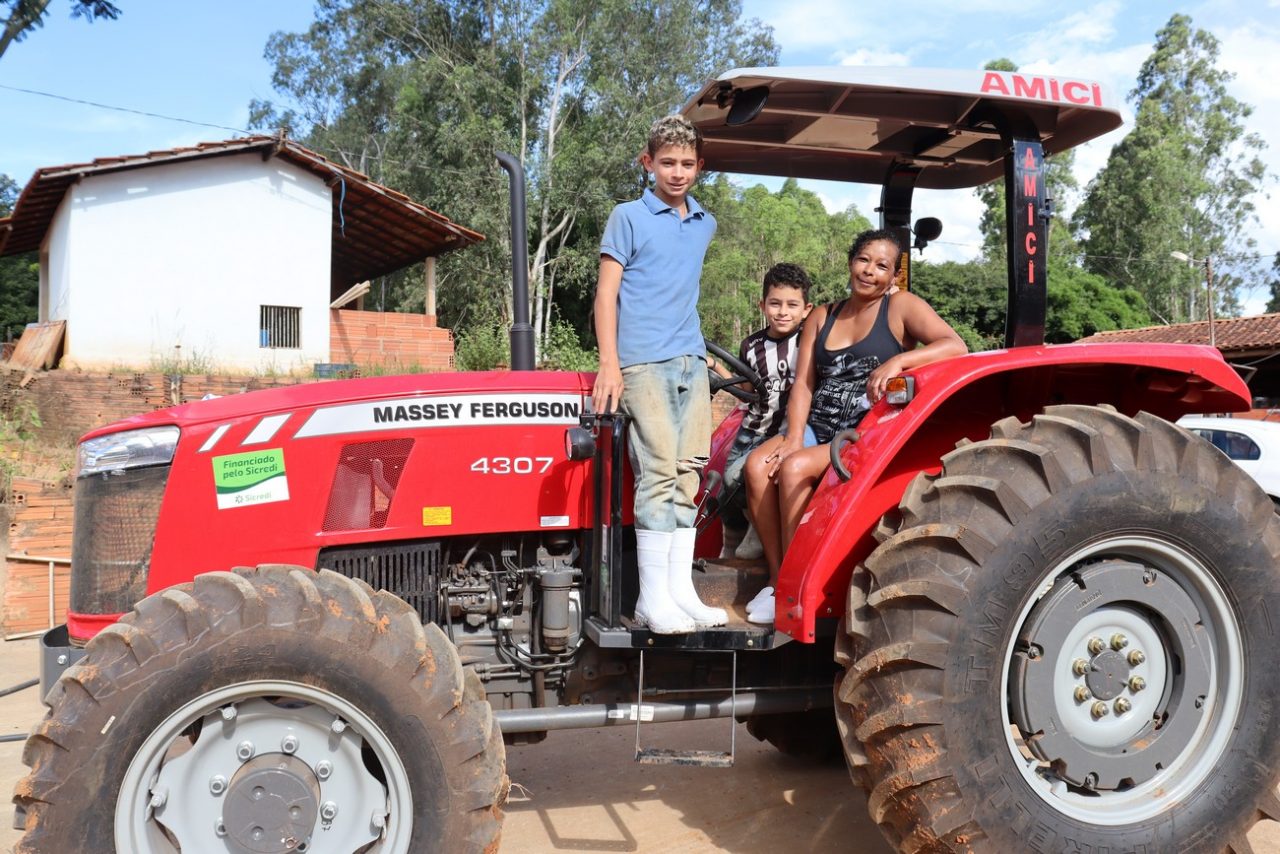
698, 758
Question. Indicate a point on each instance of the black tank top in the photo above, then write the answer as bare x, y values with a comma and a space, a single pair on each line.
842, 374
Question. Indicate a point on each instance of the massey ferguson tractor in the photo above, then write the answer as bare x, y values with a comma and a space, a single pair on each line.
1033, 613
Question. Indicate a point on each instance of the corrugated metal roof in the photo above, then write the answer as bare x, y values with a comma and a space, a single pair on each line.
376, 230
1231, 334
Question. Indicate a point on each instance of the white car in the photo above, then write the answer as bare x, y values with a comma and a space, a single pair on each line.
1253, 445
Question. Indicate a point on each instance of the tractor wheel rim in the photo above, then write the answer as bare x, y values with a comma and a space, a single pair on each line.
1129, 750
274, 762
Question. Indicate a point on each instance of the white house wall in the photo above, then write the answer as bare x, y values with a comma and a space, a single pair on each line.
172, 262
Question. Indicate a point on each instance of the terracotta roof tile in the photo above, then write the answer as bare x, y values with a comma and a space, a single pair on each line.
1231, 334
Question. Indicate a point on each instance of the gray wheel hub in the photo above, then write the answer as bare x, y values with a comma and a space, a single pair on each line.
272, 804
267, 774
1094, 688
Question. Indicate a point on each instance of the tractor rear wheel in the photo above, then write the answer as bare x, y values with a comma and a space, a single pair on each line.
269, 709
1066, 641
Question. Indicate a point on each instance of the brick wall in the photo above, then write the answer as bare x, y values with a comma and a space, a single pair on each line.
408, 342
70, 403
40, 526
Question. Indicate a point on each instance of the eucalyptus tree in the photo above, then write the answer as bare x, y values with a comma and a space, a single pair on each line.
419, 94
1183, 180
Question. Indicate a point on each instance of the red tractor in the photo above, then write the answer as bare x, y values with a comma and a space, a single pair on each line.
1035, 614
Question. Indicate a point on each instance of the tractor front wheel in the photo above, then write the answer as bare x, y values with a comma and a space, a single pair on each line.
266, 710
1067, 641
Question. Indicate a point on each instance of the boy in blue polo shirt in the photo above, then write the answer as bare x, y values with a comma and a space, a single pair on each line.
652, 365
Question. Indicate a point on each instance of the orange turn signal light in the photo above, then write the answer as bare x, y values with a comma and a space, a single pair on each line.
900, 390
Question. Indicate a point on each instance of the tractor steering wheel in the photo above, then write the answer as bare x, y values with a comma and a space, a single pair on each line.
741, 373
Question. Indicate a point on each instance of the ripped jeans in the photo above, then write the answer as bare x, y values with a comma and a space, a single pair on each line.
669, 404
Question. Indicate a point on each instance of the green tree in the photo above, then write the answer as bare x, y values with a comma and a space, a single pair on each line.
19, 276
1182, 180
1273, 286
757, 229
1080, 303
420, 93
26, 15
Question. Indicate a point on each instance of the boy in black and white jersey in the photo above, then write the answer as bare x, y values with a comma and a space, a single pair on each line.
771, 352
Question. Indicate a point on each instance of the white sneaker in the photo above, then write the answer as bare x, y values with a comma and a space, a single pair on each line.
680, 582
749, 548
655, 607
760, 598
764, 613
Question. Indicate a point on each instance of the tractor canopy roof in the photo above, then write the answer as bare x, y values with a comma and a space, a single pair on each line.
849, 123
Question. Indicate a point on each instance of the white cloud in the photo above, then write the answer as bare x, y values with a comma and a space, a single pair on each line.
862, 56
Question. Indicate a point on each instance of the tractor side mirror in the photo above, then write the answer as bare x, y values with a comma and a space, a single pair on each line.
747, 104
927, 229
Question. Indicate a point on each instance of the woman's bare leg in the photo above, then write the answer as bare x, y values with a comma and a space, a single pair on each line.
797, 480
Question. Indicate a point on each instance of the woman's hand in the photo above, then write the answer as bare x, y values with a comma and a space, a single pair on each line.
780, 453
878, 382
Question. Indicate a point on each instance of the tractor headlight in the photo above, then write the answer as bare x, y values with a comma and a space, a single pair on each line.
150, 446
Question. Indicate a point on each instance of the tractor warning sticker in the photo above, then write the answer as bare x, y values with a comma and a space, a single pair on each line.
254, 477
432, 516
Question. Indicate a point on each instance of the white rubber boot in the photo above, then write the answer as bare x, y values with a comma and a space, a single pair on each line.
750, 547
655, 608
680, 582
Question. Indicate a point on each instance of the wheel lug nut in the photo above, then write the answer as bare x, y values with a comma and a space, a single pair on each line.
217, 784
245, 751
323, 769
1119, 641
1122, 705
289, 744
1096, 645
1100, 709
220, 827
1079, 667
1136, 657
1081, 693
1137, 683
328, 811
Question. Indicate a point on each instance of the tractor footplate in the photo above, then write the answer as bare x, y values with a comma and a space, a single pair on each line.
699, 758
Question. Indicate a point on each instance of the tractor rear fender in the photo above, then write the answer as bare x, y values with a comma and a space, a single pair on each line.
960, 399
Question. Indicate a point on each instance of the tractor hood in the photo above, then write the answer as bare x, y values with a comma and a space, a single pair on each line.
300, 401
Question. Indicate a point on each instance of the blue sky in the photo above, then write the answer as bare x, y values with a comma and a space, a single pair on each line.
203, 62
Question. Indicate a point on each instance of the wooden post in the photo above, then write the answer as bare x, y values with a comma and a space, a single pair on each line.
430, 303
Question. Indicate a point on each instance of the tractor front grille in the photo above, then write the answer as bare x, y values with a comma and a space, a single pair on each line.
410, 571
113, 534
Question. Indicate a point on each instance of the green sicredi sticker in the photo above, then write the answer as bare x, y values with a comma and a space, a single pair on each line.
253, 477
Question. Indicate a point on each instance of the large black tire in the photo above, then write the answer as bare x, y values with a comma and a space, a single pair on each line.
807, 735
994, 633
281, 650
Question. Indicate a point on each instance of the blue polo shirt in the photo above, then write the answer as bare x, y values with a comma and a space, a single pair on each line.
661, 257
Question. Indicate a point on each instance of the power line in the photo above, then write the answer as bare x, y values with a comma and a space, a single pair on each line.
121, 109
419, 164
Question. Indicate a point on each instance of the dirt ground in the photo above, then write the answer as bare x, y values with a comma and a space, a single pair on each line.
580, 791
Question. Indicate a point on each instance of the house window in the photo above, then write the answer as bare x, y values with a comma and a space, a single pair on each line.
279, 327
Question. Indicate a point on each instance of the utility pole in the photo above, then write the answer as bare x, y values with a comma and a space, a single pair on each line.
1208, 284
